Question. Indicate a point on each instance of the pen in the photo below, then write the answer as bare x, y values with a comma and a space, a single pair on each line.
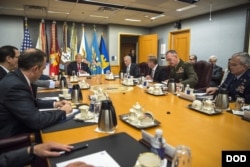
74, 149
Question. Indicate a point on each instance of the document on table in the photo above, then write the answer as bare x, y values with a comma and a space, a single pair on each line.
99, 159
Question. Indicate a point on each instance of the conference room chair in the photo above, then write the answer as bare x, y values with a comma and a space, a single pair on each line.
16, 142
144, 69
204, 71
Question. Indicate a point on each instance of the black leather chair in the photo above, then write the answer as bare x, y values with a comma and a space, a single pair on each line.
16, 142
204, 71
144, 69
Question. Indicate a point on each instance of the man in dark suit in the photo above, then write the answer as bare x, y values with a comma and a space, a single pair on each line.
78, 66
217, 72
237, 82
157, 73
130, 68
19, 110
8, 59
9, 62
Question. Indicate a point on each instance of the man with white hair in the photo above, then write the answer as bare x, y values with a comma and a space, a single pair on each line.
130, 68
237, 82
217, 72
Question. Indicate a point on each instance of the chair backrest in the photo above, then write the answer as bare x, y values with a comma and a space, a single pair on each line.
204, 71
66, 67
167, 69
144, 69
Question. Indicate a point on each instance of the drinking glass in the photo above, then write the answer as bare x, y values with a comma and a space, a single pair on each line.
240, 101
182, 157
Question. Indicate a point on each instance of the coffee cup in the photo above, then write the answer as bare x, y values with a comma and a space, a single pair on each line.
149, 159
84, 109
197, 104
208, 105
151, 89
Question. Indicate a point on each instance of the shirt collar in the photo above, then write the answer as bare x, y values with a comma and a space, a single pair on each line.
27, 79
155, 67
5, 69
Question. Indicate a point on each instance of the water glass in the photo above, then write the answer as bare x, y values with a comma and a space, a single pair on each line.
182, 157
239, 103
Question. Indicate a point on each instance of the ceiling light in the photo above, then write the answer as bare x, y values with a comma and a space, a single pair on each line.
105, 17
157, 17
9, 8
185, 8
134, 20
55, 12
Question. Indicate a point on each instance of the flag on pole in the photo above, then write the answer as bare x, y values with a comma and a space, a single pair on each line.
96, 59
84, 48
105, 64
42, 38
66, 52
54, 51
73, 41
27, 43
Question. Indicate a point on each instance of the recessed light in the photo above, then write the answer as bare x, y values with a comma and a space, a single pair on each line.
185, 8
105, 17
157, 17
134, 20
56, 12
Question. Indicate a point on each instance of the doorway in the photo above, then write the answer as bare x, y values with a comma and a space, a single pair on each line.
127, 43
180, 41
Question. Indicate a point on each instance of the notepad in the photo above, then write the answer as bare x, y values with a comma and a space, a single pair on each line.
101, 158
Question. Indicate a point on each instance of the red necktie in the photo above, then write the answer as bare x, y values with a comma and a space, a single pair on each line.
79, 67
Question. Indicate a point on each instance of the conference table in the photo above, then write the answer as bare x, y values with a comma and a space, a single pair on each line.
206, 135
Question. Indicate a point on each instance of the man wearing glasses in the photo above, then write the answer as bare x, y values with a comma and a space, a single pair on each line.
237, 82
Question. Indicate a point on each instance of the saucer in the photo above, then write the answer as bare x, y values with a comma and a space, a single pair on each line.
89, 116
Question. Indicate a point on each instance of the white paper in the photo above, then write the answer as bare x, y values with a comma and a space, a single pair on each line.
163, 48
49, 98
236, 112
99, 159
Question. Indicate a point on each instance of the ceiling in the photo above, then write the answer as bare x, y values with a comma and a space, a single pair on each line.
143, 10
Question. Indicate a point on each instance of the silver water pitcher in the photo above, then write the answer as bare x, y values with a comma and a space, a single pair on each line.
76, 94
171, 86
221, 101
107, 121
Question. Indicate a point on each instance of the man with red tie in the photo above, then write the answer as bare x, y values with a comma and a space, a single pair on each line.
78, 66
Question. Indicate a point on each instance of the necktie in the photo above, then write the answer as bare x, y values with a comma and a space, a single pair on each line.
127, 70
79, 67
31, 90
152, 73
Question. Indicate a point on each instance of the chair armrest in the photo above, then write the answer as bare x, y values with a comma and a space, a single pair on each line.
16, 142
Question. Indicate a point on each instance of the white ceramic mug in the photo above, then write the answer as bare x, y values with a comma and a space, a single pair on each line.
84, 109
197, 104
208, 105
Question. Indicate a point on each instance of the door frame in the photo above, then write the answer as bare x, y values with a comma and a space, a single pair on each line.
119, 42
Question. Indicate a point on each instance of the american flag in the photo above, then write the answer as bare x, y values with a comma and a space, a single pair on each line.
27, 43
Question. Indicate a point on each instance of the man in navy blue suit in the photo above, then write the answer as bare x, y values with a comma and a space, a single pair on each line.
8, 59
156, 73
19, 109
238, 80
78, 66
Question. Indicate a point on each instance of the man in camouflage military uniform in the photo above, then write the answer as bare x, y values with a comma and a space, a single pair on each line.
181, 72
238, 80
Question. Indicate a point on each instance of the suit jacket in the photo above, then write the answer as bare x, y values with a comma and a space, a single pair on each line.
134, 70
19, 109
73, 67
240, 87
216, 76
2, 73
184, 73
15, 158
160, 74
